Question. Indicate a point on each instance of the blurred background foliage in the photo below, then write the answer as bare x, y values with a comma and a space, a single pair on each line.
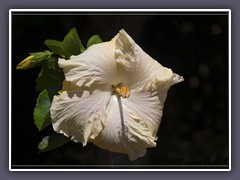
194, 127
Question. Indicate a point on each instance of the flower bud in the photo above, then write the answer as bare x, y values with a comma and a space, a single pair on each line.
34, 60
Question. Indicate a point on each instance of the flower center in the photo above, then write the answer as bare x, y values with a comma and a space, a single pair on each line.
123, 91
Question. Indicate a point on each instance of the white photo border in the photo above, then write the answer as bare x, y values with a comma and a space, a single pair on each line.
120, 11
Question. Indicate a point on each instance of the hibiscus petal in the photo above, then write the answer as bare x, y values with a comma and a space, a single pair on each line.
79, 113
148, 101
95, 65
144, 102
135, 66
131, 123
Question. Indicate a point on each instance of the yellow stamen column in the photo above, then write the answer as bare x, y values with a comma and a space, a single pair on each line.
123, 91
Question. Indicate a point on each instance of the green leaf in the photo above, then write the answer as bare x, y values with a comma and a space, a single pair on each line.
95, 39
55, 46
71, 45
42, 110
34, 60
52, 141
50, 75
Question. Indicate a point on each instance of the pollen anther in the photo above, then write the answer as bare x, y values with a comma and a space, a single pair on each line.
123, 91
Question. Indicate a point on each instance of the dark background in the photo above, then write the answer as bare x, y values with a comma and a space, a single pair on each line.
194, 128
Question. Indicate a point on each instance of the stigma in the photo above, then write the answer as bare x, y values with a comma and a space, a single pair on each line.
122, 91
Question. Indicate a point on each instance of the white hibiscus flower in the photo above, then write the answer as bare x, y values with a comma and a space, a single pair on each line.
113, 96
